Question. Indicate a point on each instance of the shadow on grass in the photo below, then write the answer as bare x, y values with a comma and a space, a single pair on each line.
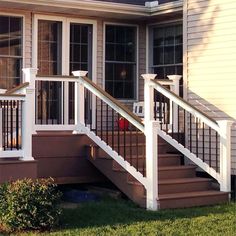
110, 212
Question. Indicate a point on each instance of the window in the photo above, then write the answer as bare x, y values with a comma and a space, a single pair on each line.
167, 51
120, 61
11, 40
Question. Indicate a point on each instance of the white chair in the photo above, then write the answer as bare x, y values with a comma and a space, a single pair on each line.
138, 109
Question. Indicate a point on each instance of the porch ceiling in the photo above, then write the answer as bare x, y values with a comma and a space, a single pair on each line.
94, 8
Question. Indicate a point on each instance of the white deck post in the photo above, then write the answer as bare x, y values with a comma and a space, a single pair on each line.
79, 102
225, 154
151, 145
28, 114
175, 89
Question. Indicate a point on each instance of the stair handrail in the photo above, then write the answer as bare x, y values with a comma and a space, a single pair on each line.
115, 104
17, 89
222, 127
186, 105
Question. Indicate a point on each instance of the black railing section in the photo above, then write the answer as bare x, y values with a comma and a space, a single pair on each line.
49, 102
11, 115
201, 140
123, 137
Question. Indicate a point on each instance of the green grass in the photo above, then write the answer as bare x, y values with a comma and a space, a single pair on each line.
118, 217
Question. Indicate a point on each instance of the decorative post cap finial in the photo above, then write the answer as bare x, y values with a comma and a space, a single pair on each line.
80, 73
149, 76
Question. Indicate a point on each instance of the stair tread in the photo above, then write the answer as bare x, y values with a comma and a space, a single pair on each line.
177, 167
177, 181
184, 180
190, 194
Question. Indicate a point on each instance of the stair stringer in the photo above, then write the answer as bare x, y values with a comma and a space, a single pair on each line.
115, 156
191, 156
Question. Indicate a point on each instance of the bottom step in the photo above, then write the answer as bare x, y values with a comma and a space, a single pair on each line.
191, 199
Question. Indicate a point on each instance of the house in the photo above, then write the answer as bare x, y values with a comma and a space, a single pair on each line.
57, 122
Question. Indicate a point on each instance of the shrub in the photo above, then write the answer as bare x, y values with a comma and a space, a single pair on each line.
29, 204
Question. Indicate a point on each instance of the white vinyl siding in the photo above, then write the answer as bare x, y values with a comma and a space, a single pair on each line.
210, 57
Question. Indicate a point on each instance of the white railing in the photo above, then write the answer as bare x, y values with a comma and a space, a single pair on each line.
16, 123
221, 128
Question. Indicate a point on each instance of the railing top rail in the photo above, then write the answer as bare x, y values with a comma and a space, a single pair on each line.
118, 104
164, 81
56, 78
12, 97
181, 102
17, 88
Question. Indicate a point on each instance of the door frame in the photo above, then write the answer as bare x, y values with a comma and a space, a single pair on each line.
65, 53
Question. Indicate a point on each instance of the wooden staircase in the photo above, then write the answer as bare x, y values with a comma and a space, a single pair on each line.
179, 186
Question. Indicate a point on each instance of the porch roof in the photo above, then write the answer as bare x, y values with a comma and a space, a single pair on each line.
116, 9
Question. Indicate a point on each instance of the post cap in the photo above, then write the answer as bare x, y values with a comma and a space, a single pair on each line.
149, 76
174, 77
80, 73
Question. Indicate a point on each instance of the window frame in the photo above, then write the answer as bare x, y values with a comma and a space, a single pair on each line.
150, 49
136, 79
22, 16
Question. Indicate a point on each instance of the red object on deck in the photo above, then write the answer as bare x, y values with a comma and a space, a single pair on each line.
123, 124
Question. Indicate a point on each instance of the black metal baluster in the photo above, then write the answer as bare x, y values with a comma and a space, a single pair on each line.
203, 142
190, 116
41, 95
217, 166
172, 125
178, 123
118, 143
7, 124
17, 125
101, 119
112, 128
11, 124
124, 133
197, 137
137, 151
184, 127
96, 114
3, 126
107, 123
155, 105
166, 114
210, 146
130, 151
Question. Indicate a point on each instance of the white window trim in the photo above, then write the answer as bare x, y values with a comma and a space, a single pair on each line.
65, 41
137, 58
10, 14
148, 56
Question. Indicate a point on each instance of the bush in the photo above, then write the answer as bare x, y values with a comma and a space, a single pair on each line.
29, 204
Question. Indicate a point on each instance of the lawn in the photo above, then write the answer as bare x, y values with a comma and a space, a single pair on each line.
119, 217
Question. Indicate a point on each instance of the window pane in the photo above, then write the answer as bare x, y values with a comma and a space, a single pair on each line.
11, 48
120, 52
10, 72
158, 56
49, 47
178, 54
110, 52
120, 66
169, 55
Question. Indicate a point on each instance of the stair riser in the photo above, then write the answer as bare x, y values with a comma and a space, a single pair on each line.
183, 187
140, 162
59, 145
193, 201
176, 174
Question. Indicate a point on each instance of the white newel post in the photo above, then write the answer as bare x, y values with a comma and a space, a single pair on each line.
175, 89
79, 102
151, 145
225, 154
28, 113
